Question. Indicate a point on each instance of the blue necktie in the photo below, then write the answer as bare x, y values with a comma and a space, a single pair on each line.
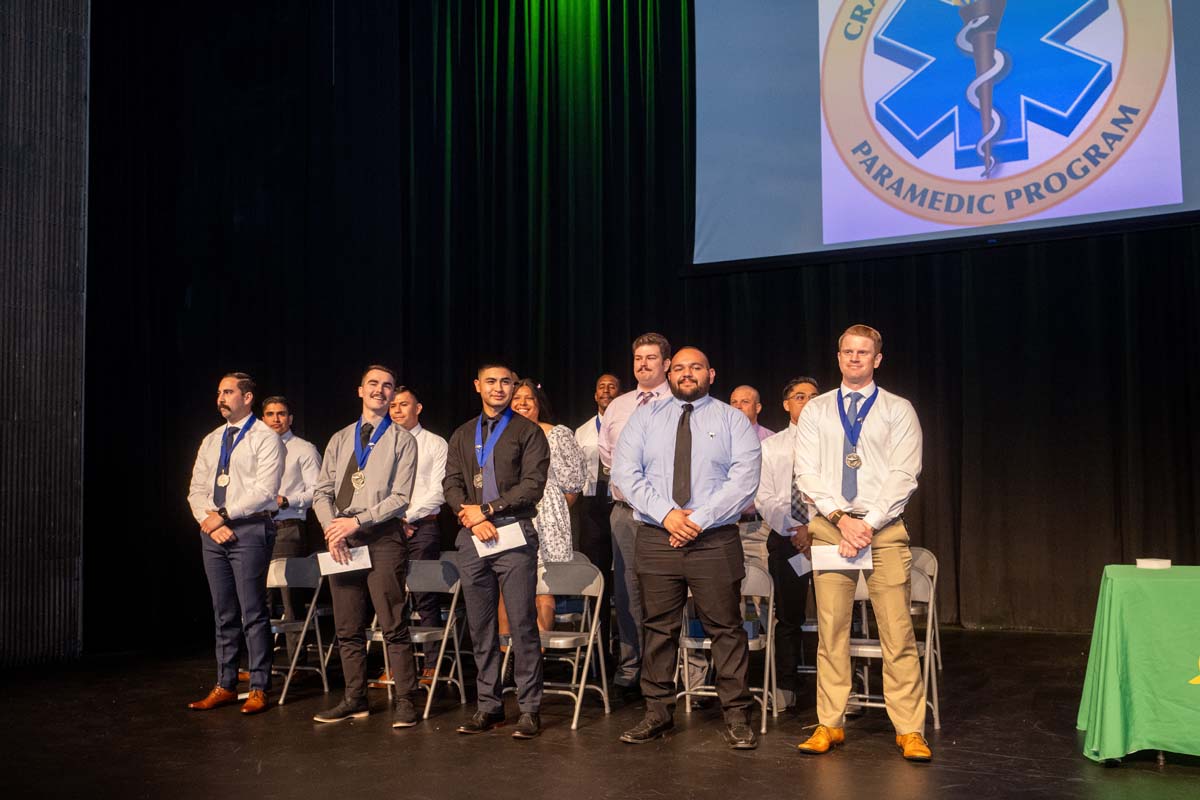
850, 476
218, 489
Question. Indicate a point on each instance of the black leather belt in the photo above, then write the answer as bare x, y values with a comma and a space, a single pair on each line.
755, 517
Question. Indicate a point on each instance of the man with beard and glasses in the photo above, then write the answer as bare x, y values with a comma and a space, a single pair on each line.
688, 466
235, 483
366, 484
496, 472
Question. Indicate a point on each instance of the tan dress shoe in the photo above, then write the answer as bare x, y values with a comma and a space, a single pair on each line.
256, 703
822, 739
216, 698
914, 747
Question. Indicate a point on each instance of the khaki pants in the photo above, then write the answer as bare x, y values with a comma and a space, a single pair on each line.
754, 542
890, 588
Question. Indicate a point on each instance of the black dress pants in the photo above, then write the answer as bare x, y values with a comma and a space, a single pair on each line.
712, 567
791, 599
381, 586
595, 542
426, 545
291, 541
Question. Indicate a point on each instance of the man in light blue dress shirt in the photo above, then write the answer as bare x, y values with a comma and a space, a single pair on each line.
688, 466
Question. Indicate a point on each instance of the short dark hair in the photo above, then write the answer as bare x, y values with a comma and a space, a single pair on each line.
494, 365
794, 382
545, 410
381, 368
402, 389
658, 339
244, 382
277, 399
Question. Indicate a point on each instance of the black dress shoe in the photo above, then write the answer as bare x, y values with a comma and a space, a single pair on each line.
528, 726
482, 722
741, 736
649, 729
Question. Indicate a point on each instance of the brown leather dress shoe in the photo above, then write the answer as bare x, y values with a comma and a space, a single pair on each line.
256, 703
914, 747
216, 698
822, 740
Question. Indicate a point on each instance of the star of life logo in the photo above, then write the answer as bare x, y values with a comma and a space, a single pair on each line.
977, 112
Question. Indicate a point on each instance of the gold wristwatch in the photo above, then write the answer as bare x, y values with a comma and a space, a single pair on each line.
835, 516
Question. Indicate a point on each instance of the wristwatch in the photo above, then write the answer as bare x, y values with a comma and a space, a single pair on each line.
223, 513
284, 504
835, 516
486, 508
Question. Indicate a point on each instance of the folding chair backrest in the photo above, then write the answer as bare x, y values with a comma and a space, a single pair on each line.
579, 558
757, 582
925, 561
432, 576
922, 586
293, 573
570, 578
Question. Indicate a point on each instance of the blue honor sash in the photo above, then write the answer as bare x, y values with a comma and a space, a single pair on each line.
226, 454
361, 454
854, 430
483, 450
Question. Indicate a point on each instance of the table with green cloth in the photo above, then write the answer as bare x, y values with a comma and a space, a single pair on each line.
1142, 690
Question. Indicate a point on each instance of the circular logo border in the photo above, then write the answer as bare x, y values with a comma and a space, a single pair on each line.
1148, 31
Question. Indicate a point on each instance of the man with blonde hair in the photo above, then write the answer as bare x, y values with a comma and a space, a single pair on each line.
857, 455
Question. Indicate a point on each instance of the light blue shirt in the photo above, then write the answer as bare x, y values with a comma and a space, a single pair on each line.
725, 461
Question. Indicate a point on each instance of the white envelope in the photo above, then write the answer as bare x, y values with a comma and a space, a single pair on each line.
360, 558
511, 537
825, 558
801, 564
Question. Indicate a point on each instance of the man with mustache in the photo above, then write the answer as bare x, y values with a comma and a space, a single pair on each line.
496, 472
235, 482
651, 359
689, 465
366, 484
594, 509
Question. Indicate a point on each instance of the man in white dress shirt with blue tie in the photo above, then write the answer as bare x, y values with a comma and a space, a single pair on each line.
232, 494
689, 465
300, 475
857, 457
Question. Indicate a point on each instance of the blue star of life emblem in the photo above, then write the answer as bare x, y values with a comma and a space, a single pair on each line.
984, 81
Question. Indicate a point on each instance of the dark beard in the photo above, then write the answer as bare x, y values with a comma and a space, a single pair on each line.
691, 395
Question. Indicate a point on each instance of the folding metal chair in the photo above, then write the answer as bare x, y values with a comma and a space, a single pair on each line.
756, 584
871, 649
298, 573
438, 577
572, 579
924, 560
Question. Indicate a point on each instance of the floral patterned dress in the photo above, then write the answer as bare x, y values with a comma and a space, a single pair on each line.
568, 473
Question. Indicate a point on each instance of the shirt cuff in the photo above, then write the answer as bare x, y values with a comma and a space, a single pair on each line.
876, 520
827, 508
703, 518
659, 511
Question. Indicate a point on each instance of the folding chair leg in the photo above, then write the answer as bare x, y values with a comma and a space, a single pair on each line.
462, 694
320, 650
387, 671
437, 670
587, 662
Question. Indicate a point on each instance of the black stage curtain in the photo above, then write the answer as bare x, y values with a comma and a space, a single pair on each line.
298, 189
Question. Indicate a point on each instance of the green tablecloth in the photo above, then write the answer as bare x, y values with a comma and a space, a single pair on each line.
1142, 690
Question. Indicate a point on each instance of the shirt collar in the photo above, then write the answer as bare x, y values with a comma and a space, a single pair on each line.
416, 429
696, 404
287, 437
657, 391
865, 391
241, 423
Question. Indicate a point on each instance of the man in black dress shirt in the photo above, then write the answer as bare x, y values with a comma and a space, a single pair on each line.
495, 474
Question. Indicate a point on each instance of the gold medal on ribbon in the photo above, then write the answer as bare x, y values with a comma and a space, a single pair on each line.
223, 480
478, 480
853, 460
358, 479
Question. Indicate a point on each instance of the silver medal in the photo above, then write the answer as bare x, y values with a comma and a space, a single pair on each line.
223, 480
478, 480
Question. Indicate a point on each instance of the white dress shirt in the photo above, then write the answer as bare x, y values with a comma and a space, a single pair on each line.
618, 413
427, 496
890, 447
587, 436
774, 497
300, 475
255, 470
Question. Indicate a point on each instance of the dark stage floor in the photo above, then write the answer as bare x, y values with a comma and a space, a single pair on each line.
117, 726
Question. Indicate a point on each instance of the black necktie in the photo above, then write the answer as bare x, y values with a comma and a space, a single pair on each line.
346, 491
681, 485
218, 489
